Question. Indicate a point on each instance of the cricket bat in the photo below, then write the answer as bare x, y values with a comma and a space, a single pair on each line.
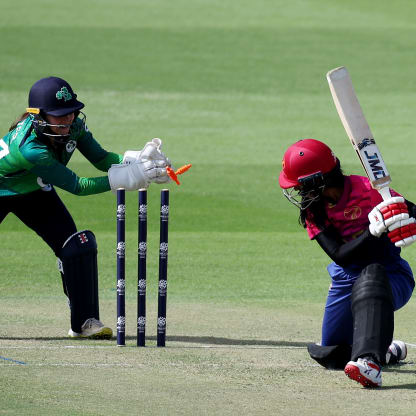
356, 126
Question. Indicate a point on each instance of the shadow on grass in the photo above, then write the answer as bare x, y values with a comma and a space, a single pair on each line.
229, 341
181, 338
397, 369
400, 387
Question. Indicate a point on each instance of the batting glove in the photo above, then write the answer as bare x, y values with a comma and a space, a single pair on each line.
386, 213
403, 233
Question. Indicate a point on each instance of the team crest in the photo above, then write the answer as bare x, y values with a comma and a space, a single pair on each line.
64, 94
352, 213
70, 146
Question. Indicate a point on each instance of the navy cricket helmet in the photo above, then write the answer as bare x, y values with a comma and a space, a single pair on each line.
53, 96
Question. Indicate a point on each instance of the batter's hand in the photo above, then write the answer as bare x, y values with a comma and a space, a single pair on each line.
386, 213
403, 233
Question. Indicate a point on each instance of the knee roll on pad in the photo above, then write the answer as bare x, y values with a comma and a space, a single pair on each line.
372, 311
77, 263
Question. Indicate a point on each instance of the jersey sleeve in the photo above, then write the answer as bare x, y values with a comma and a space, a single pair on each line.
94, 153
345, 253
59, 175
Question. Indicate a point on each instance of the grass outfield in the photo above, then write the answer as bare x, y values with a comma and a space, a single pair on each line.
228, 86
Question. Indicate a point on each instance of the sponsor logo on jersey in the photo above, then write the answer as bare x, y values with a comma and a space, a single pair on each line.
352, 213
18, 128
45, 186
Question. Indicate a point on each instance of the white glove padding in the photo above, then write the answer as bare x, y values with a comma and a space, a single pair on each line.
386, 213
136, 175
151, 151
403, 233
130, 176
131, 156
156, 171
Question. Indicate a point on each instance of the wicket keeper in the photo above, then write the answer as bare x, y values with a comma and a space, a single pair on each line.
33, 161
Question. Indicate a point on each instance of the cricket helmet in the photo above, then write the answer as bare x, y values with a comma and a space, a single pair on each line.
54, 96
308, 166
304, 160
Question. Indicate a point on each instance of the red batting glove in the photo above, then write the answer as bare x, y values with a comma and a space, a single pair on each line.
387, 213
403, 233
393, 210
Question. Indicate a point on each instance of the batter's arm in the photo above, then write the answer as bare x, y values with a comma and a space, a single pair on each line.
343, 253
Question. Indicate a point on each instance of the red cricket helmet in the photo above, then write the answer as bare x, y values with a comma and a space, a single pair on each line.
305, 158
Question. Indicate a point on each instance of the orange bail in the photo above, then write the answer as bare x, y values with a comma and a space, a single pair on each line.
183, 169
172, 174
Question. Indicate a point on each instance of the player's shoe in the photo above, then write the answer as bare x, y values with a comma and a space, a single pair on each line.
364, 371
93, 329
396, 352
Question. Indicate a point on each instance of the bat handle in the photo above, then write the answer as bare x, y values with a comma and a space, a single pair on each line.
385, 192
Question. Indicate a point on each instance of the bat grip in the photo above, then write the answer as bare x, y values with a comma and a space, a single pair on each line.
385, 192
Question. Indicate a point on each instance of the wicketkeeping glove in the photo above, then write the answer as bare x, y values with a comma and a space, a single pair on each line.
151, 151
136, 175
386, 213
403, 233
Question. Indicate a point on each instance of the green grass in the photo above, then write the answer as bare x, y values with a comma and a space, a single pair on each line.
228, 86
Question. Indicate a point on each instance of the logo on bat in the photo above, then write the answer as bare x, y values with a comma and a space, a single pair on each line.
366, 142
374, 163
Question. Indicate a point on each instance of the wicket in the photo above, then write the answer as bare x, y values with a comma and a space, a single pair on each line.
141, 269
141, 272
121, 267
163, 268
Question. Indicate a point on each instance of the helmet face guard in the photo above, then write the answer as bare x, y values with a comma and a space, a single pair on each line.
42, 127
309, 191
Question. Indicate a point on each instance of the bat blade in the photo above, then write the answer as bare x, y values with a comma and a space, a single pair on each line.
358, 130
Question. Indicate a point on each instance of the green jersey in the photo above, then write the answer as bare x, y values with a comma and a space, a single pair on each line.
27, 164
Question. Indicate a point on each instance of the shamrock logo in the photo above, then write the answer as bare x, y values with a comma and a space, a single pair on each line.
63, 93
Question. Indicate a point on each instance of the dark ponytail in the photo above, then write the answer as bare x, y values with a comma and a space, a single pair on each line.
18, 120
